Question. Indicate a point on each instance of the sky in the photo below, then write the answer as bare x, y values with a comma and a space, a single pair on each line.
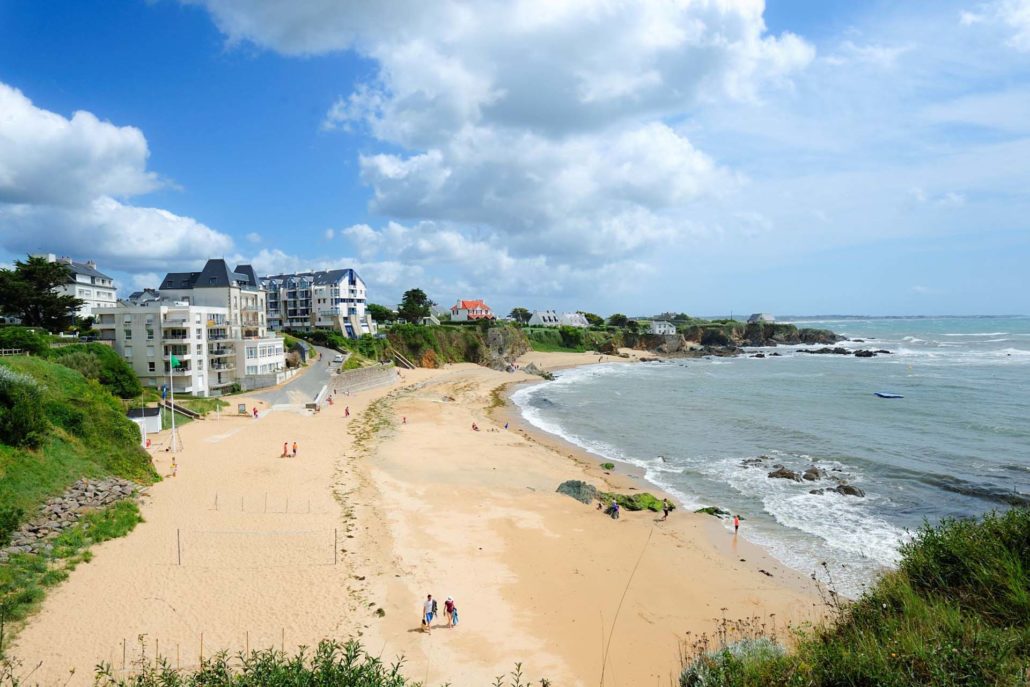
700, 156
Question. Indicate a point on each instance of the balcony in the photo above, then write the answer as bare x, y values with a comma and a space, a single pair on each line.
168, 336
220, 366
220, 351
217, 337
217, 323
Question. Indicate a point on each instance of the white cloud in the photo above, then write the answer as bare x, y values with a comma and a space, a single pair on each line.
1014, 15
254, 237
62, 188
329, 234
549, 126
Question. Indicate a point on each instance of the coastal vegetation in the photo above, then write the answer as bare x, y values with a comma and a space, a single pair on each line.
955, 612
57, 426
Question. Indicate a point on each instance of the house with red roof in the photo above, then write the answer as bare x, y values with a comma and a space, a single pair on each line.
463, 311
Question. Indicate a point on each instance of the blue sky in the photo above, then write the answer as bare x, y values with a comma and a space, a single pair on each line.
797, 157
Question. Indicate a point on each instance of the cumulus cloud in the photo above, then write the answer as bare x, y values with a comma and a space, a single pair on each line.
63, 186
549, 126
1014, 15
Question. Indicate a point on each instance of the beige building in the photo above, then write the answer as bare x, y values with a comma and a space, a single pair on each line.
212, 321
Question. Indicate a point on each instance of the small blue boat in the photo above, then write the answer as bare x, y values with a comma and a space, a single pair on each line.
885, 394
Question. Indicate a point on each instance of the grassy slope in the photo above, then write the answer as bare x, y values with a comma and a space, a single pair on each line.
89, 437
955, 612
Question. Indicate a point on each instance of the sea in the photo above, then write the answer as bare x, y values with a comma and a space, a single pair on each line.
956, 445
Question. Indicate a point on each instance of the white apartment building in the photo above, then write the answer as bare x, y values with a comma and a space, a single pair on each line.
327, 299
96, 289
212, 321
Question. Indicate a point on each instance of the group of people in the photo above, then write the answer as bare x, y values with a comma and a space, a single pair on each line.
430, 611
286, 450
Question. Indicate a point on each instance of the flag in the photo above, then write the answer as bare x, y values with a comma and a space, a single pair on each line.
175, 361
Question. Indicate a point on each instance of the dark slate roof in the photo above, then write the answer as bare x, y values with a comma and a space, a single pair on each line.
143, 412
215, 273
82, 268
248, 272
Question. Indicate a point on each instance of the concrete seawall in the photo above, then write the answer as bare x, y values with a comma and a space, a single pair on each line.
363, 378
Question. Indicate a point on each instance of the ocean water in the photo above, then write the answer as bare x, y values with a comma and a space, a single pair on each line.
956, 445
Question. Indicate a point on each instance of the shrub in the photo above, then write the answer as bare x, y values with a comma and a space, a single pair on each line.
25, 338
10, 518
22, 413
102, 363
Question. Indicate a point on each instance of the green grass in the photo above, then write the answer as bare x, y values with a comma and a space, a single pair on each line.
88, 436
955, 613
26, 577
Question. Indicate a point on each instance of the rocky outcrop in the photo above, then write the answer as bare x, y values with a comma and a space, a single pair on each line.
842, 489
781, 472
61, 512
579, 490
503, 346
534, 370
813, 474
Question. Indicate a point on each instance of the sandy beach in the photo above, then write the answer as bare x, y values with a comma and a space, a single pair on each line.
245, 549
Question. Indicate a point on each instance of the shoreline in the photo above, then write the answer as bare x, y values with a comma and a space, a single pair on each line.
633, 478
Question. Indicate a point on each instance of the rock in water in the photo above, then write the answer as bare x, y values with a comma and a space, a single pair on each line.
783, 473
579, 490
849, 490
813, 473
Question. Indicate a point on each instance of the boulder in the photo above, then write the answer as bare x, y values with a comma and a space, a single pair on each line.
813, 473
713, 510
849, 490
783, 473
579, 490
865, 354
534, 370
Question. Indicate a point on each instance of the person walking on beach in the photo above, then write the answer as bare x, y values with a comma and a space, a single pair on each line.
427, 613
346, 411
452, 612
666, 507
255, 412
286, 447
295, 449
736, 524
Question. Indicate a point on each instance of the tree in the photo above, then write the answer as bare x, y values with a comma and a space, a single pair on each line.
633, 326
618, 320
592, 319
520, 315
28, 292
415, 305
380, 313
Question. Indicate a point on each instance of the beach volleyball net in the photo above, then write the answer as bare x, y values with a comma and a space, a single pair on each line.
255, 548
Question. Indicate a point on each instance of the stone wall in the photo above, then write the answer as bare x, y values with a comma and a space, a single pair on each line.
61, 512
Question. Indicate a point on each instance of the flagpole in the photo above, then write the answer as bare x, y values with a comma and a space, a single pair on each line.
171, 391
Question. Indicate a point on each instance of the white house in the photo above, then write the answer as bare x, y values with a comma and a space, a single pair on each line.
465, 311
147, 419
333, 299
761, 317
662, 327
96, 289
573, 319
212, 322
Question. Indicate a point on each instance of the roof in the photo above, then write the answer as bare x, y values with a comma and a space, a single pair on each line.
320, 277
143, 412
84, 269
216, 273
470, 305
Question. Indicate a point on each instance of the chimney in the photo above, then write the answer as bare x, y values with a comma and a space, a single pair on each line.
92, 264
65, 259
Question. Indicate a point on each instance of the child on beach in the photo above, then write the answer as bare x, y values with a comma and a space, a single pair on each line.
295, 449
736, 523
285, 449
666, 507
255, 412
346, 411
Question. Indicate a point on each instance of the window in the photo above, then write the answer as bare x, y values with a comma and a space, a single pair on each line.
200, 333
251, 352
252, 369
150, 351
127, 354
128, 334
151, 367
150, 334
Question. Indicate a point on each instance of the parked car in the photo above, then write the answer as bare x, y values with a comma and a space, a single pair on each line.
338, 358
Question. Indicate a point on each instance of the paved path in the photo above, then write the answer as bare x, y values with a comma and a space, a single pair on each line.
304, 387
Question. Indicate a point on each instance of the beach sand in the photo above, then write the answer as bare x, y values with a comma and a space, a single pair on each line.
419, 503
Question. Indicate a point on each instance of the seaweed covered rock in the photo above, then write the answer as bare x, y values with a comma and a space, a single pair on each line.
640, 501
713, 510
579, 490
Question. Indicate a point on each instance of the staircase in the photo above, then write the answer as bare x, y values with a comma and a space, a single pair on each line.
181, 410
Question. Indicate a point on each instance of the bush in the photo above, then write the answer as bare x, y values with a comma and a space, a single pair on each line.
25, 338
10, 518
22, 412
102, 363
